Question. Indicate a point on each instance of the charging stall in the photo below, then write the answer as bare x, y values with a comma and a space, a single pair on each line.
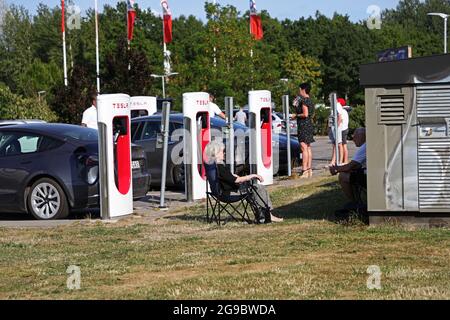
143, 106
116, 189
260, 120
197, 135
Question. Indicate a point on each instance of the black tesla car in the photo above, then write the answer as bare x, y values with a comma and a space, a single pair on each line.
49, 169
146, 132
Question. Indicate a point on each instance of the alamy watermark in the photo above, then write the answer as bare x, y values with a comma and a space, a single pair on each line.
74, 278
3, 9
374, 21
73, 21
374, 280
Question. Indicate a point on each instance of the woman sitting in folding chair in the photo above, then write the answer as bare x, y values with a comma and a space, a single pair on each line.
230, 182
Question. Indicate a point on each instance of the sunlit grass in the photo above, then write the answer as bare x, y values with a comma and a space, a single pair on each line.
182, 257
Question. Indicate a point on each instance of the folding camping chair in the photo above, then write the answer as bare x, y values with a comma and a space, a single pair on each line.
236, 207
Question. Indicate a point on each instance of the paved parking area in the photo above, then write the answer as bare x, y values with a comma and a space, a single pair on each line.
147, 209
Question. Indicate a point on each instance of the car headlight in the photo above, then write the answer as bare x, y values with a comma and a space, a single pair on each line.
92, 175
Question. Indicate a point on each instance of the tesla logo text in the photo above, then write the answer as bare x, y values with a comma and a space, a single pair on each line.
120, 105
265, 100
202, 102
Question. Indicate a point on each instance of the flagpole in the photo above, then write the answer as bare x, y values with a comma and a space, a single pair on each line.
66, 82
97, 47
215, 49
165, 57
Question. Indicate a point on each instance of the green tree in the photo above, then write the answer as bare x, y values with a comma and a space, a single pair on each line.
13, 106
298, 69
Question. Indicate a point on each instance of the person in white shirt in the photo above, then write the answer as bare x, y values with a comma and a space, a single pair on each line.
241, 117
90, 116
214, 109
332, 135
343, 128
354, 173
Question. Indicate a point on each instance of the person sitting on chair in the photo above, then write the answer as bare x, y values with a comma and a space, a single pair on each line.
354, 173
230, 182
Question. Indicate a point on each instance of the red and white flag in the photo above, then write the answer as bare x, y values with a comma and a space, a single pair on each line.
131, 19
63, 18
256, 28
167, 16
63, 31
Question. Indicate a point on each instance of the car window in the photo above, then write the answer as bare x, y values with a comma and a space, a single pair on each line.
177, 129
136, 130
80, 133
151, 130
46, 144
138, 113
14, 143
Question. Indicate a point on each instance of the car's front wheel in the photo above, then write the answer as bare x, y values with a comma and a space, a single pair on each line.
47, 201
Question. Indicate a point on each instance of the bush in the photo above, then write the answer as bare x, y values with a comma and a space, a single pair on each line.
321, 121
357, 118
13, 107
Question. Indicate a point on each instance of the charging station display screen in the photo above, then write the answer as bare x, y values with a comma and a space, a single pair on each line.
266, 137
203, 135
122, 154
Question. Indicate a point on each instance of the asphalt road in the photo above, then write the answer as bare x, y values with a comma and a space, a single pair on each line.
321, 157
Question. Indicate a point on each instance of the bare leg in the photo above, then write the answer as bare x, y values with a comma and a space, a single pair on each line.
310, 161
341, 154
345, 154
333, 157
305, 152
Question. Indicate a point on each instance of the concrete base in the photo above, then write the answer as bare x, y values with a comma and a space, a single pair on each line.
417, 220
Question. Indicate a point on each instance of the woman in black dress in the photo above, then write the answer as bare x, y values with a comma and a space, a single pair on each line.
304, 111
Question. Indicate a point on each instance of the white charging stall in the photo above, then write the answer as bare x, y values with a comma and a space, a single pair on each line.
260, 120
143, 106
197, 135
116, 184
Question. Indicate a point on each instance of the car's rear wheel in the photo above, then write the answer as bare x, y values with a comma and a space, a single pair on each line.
47, 201
179, 175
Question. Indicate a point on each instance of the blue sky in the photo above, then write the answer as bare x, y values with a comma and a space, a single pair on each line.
293, 9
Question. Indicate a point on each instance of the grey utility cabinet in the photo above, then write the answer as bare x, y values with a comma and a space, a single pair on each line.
408, 137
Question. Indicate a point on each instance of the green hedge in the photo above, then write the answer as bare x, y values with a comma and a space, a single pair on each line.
13, 107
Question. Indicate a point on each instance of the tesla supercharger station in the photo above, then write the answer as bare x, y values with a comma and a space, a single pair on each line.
260, 120
146, 106
116, 185
197, 135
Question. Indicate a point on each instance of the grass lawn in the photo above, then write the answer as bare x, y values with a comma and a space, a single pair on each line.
182, 257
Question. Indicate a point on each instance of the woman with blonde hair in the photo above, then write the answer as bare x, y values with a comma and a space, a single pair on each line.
230, 182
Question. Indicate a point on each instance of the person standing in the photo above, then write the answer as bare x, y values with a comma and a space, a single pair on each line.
304, 112
343, 122
90, 115
214, 109
343, 128
241, 116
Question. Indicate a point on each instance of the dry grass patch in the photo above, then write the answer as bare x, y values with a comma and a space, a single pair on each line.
182, 257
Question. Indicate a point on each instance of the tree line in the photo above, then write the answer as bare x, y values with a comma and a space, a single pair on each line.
326, 52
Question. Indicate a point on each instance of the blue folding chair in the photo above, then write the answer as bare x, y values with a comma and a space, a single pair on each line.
236, 207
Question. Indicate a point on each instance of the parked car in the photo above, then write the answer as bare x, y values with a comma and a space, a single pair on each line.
48, 170
4, 123
146, 132
277, 121
292, 123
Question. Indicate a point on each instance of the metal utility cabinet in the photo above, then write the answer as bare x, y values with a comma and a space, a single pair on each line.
408, 139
